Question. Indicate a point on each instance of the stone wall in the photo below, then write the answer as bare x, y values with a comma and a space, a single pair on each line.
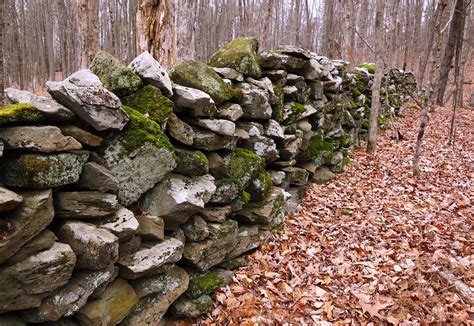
130, 192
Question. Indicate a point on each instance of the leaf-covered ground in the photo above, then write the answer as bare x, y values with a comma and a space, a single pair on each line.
367, 247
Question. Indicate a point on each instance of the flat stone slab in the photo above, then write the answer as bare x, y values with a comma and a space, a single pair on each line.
82, 136
85, 204
152, 72
193, 101
123, 224
98, 177
9, 200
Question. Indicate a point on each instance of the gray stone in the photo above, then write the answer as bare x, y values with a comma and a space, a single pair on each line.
49, 107
84, 137
101, 288
25, 222
123, 224
178, 197
138, 170
42, 171
150, 258
41, 242
274, 130
157, 293
97, 177
207, 282
219, 126
44, 139
316, 90
180, 130
217, 166
249, 238
152, 72
314, 70
84, 94
295, 51
212, 251
216, 214
94, 247
8, 200
264, 212
263, 146
70, 298
226, 191
230, 111
111, 307
292, 78
193, 102
128, 247
298, 176
85, 205
196, 229
275, 60
290, 146
263, 83
276, 76
192, 308
151, 227
210, 141
191, 163
252, 128
323, 175
255, 103
229, 73
277, 177
25, 283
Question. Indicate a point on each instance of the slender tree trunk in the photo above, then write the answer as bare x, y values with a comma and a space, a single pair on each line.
374, 110
2, 72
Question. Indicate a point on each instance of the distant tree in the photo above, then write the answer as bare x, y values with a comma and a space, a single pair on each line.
88, 30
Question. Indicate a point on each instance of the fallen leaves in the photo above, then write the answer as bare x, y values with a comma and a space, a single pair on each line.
362, 249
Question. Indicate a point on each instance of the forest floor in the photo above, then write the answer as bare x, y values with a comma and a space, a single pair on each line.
367, 247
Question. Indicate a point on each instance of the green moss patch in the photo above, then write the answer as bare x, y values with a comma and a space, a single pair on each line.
370, 67
149, 100
318, 144
20, 113
204, 284
277, 101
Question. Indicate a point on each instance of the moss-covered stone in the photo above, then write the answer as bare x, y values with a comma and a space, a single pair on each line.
227, 189
204, 284
243, 165
198, 75
260, 186
20, 113
115, 75
370, 67
240, 54
149, 100
292, 112
277, 101
191, 163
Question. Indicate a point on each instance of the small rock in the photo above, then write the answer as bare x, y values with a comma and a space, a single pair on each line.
229, 73
264, 147
323, 175
8, 200
85, 205
274, 130
207, 282
316, 90
290, 146
191, 163
264, 212
295, 51
210, 141
216, 214
180, 130
128, 247
97, 177
150, 102
41, 242
217, 166
150, 258
219, 126
249, 238
255, 103
196, 229
230, 111
84, 137
123, 224
277, 177
193, 102
111, 307
192, 308
298, 176
151, 227
94, 247
152, 72
226, 191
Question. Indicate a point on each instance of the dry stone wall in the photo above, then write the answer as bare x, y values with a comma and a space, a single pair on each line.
130, 192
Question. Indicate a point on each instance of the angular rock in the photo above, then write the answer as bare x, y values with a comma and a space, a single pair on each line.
180, 130
275, 60
25, 222
196, 229
157, 293
41, 242
178, 197
230, 111
276, 76
323, 175
219, 126
264, 147
83, 93
210, 141
298, 176
97, 177
111, 307
47, 106
240, 54
85, 204
151, 227
252, 128
314, 71
191, 163
212, 251
277, 177
216, 214
123, 224
227, 190
229, 73
25, 283
295, 51
8, 200
150, 258
42, 171
94, 247
152, 72
259, 186
44, 139
249, 238
207, 282
70, 298
151, 102
316, 90
139, 157
116, 76
274, 130
290, 146
192, 308
264, 212
195, 74
84, 137
128, 247
193, 102
20, 113
217, 166
255, 103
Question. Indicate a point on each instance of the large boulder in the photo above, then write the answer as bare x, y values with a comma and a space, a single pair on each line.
9, 200
152, 72
139, 157
149, 101
45, 139
24, 284
25, 222
111, 307
150, 258
83, 93
42, 171
240, 54
94, 247
195, 74
178, 197
46, 105
85, 204
116, 76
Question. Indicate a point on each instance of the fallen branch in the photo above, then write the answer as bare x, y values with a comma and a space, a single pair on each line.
457, 286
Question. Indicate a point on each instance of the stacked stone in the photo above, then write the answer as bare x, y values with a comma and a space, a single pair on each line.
130, 192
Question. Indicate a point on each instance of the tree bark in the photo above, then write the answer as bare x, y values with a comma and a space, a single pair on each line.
2, 72
88, 30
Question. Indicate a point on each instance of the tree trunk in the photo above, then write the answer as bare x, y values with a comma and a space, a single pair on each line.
454, 29
88, 30
2, 73
375, 107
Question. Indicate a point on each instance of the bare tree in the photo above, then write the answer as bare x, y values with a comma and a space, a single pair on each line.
88, 30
